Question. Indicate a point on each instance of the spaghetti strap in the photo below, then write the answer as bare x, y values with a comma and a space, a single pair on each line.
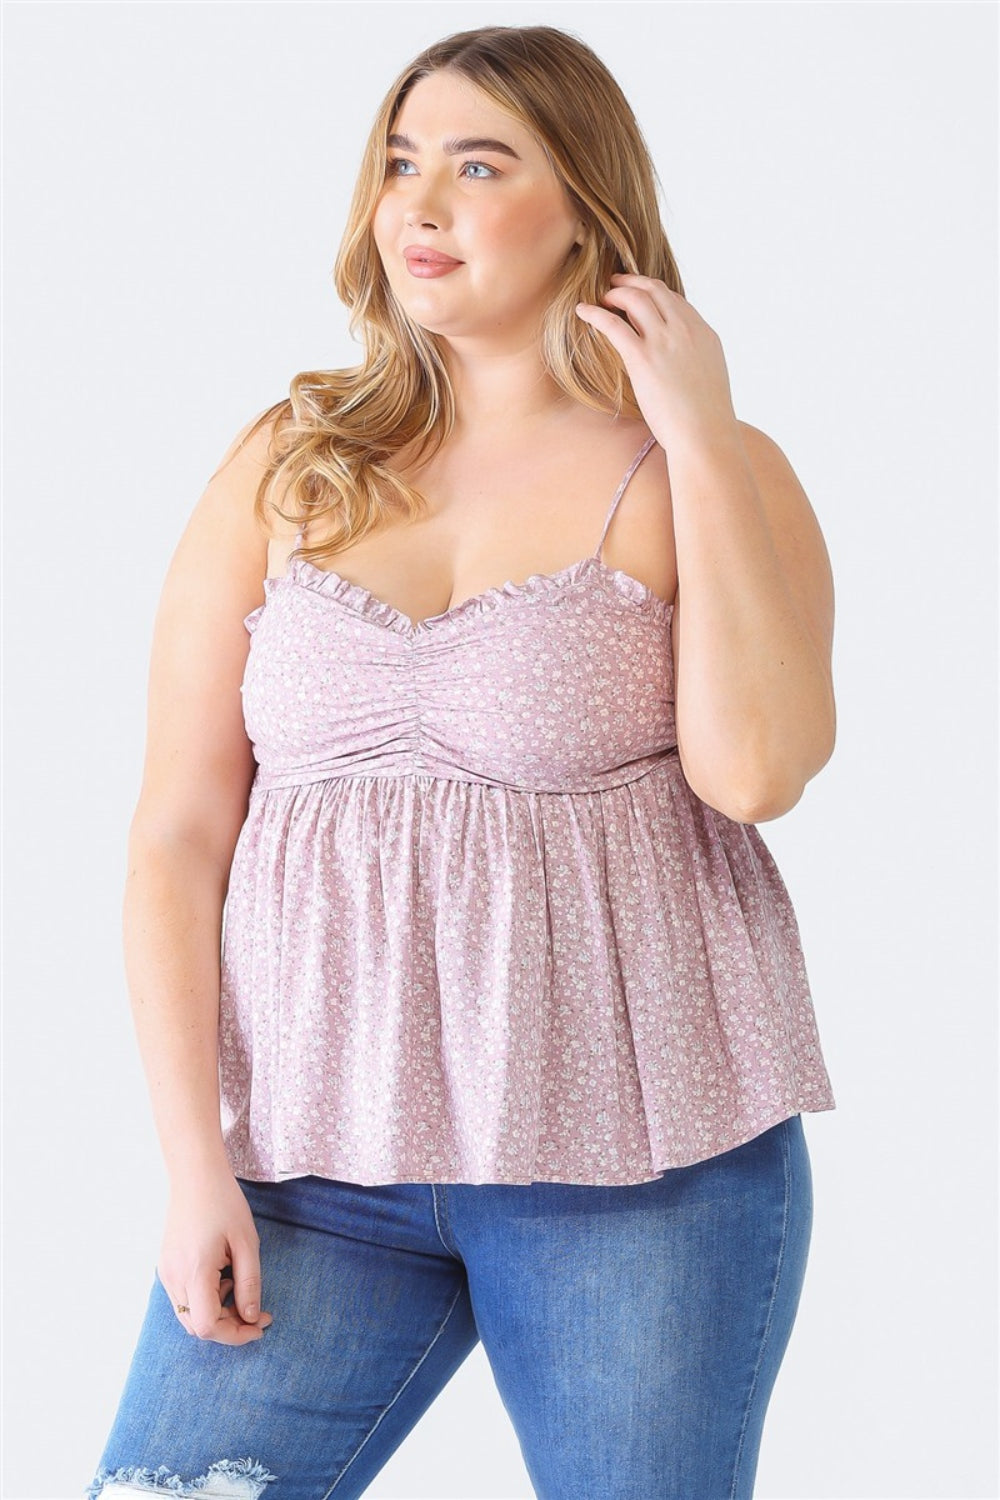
295, 548
621, 489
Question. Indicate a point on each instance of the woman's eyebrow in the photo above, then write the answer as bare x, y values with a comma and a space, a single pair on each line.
454, 146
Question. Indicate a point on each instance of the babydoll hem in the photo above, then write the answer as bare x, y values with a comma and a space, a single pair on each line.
314, 1168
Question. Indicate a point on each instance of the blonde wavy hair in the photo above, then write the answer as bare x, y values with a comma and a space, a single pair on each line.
331, 436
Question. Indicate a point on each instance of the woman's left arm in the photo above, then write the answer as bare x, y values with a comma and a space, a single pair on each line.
753, 621
753, 635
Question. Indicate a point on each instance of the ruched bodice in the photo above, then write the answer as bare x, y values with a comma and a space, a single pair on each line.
479, 927
563, 683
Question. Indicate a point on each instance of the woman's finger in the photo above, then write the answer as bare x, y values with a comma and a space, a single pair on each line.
618, 331
182, 1310
205, 1300
246, 1275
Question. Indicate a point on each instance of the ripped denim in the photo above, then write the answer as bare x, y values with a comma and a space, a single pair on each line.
634, 1334
237, 1479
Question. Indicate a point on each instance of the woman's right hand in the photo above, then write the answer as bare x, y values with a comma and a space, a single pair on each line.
210, 1228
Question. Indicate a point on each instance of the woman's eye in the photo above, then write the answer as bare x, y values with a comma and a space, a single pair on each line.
401, 161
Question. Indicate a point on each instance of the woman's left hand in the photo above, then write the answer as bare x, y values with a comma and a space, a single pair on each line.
673, 358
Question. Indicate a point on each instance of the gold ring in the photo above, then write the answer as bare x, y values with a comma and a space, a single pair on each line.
181, 1307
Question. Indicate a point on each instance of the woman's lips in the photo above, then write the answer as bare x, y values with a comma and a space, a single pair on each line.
425, 268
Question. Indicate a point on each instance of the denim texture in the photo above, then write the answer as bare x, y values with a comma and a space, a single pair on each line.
634, 1333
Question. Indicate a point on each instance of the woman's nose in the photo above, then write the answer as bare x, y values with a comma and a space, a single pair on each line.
426, 200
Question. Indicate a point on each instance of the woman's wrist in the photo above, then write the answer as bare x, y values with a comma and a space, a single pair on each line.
204, 1160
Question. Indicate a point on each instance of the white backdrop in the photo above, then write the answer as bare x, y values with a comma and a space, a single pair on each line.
177, 179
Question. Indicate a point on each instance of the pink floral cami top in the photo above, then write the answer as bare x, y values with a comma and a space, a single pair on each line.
479, 928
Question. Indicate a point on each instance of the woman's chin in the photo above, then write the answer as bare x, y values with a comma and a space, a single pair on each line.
439, 323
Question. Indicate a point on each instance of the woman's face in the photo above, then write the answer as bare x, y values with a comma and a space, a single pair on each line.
502, 213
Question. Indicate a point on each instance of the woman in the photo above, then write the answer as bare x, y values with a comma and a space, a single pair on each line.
511, 1034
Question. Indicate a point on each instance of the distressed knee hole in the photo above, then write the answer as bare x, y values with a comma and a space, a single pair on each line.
231, 1478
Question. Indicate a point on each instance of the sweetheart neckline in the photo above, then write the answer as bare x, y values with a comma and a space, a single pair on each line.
387, 615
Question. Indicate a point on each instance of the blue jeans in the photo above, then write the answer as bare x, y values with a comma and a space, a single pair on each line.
634, 1333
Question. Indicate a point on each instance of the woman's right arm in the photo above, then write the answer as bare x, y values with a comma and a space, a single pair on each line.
192, 803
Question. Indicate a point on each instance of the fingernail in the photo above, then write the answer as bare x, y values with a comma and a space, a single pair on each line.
251, 1310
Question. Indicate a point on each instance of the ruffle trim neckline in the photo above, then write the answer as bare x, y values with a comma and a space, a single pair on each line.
362, 601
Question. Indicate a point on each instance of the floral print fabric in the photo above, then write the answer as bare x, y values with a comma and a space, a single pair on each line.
479, 928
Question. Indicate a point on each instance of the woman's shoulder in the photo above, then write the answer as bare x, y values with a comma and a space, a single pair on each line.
249, 457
